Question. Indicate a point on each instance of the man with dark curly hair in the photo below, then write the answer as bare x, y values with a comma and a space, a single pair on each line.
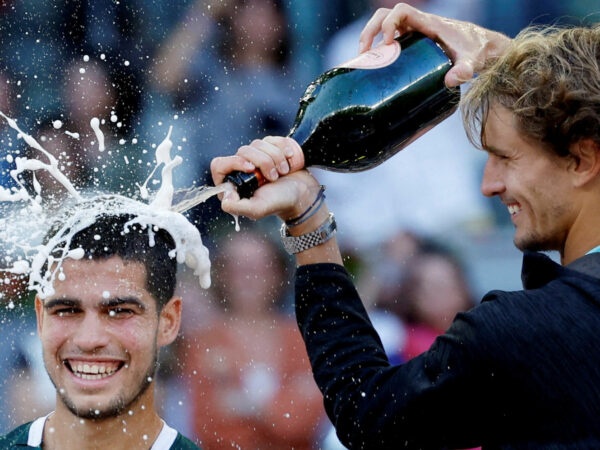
106, 304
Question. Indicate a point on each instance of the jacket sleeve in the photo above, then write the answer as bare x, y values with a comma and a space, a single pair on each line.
429, 401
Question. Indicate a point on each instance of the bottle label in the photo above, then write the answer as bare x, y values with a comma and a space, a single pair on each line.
376, 58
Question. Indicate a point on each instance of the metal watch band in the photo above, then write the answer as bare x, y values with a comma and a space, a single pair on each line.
297, 244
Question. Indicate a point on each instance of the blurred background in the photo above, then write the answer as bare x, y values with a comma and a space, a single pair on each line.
219, 73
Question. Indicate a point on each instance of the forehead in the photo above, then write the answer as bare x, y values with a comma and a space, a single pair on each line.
99, 278
500, 126
502, 135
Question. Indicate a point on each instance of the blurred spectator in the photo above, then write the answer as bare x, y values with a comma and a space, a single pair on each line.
433, 290
421, 282
93, 156
510, 16
250, 380
224, 73
124, 36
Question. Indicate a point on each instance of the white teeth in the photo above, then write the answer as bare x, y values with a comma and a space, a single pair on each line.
93, 371
513, 209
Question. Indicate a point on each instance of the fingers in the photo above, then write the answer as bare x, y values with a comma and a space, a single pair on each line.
274, 156
404, 18
372, 29
222, 166
391, 22
291, 149
287, 197
468, 44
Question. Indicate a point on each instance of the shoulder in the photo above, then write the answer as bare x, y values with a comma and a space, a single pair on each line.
183, 443
16, 438
509, 324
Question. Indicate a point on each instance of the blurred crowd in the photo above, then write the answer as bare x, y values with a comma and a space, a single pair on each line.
421, 241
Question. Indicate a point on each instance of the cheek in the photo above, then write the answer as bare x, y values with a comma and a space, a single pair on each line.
134, 337
552, 199
53, 333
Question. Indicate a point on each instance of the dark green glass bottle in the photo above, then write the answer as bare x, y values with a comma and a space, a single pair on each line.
353, 118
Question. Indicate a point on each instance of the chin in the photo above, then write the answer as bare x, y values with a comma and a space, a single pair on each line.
97, 412
534, 244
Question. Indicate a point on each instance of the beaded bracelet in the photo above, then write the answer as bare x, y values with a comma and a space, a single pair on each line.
310, 211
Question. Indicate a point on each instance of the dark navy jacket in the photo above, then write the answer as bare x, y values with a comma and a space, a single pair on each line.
519, 371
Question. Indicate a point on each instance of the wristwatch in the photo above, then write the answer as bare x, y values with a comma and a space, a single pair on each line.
297, 244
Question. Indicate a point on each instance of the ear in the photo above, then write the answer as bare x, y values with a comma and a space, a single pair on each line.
169, 321
39, 313
586, 161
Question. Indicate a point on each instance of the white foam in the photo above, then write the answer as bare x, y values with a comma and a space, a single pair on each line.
25, 223
188, 250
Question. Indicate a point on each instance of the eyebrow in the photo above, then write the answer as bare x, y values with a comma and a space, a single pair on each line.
49, 304
108, 303
118, 301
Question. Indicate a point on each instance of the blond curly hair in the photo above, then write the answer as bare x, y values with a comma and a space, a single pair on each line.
549, 78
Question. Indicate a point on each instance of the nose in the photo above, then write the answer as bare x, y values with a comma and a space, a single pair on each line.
91, 333
492, 183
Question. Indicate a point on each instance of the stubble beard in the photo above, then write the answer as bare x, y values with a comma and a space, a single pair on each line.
535, 241
118, 405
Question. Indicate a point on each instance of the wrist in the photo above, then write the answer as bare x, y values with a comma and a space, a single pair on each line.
308, 200
308, 212
295, 244
310, 224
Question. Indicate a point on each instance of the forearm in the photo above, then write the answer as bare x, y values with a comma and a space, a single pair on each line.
343, 348
174, 59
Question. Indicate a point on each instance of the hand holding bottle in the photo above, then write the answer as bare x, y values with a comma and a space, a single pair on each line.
292, 192
357, 116
274, 158
469, 45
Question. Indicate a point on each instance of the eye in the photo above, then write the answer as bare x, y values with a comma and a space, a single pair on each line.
120, 312
498, 156
65, 311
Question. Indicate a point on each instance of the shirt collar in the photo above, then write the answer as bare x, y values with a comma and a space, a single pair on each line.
164, 441
539, 269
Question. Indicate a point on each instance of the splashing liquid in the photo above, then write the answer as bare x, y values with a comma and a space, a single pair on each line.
25, 221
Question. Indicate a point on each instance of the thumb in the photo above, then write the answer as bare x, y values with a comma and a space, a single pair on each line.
461, 72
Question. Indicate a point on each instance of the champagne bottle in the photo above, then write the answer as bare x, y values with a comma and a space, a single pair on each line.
356, 116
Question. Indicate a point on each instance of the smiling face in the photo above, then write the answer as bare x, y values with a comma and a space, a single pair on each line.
100, 333
531, 181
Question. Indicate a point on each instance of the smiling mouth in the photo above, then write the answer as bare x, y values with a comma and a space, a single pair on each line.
93, 371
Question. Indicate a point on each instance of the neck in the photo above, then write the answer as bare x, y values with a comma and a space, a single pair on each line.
135, 429
583, 235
